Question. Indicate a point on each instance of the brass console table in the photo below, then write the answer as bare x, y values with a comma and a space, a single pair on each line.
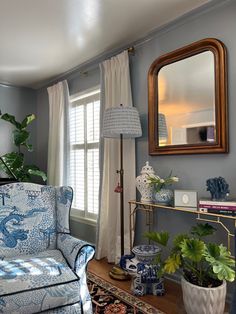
149, 209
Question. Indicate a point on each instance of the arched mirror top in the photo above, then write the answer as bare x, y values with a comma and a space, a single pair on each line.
188, 100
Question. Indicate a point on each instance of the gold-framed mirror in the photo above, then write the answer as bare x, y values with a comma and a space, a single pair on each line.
187, 100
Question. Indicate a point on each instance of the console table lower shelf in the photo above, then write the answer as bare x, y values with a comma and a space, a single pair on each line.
150, 208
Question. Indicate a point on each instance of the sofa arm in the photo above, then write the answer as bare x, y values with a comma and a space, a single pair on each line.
77, 252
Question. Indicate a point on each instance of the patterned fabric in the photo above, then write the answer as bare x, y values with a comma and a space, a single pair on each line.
22, 278
64, 196
42, 267
27, 219
71, 309
78, 253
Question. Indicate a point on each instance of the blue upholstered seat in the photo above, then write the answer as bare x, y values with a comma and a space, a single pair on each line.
42, 267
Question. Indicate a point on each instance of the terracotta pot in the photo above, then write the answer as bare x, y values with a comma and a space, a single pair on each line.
200, 300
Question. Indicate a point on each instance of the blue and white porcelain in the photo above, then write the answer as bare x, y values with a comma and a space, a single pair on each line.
142, 267
164, 196
142, 183
146, 253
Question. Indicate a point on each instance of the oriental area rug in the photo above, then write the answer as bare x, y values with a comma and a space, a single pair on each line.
108, 299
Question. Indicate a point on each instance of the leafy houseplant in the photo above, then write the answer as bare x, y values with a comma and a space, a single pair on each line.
15, 160
205, 265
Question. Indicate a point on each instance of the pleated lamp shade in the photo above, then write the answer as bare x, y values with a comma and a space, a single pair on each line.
121, 120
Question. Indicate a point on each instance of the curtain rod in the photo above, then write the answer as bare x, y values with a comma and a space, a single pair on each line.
131, 51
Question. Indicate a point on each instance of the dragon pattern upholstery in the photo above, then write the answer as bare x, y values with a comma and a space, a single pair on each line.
42, 267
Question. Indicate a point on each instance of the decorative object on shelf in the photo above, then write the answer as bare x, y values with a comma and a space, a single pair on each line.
121, 122
162, 195
146, 190
218, 187
144, 270
185, 198
216, 207
13, 163
205, 267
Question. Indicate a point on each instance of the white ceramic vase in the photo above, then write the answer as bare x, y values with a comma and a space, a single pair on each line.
145, 189
200, 300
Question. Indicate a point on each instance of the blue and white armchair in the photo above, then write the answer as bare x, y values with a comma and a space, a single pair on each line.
42, 267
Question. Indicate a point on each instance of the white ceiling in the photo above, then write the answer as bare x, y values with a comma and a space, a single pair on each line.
41, 39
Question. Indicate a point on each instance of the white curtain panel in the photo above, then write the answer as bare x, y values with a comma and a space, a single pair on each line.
58, 103
117, 90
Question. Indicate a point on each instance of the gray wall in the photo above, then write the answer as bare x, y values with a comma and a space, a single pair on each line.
19, 102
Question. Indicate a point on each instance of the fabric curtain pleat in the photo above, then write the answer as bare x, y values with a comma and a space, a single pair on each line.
57, 138
116, 90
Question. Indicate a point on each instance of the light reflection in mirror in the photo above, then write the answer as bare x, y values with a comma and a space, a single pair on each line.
186, 98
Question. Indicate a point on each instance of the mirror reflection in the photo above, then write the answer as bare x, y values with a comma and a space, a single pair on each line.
186, 101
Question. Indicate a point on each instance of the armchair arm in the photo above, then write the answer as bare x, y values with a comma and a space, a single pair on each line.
77, 252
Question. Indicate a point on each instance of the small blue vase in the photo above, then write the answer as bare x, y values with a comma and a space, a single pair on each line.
164, 196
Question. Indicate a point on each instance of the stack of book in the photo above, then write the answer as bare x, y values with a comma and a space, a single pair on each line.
216, 207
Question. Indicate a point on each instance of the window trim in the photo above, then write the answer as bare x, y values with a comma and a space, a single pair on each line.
92, 94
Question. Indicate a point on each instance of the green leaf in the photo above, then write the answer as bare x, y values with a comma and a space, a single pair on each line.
202, 230
221, 261
213, 250
11, 119
172, 263
37, 173
179, 239
29, 147
192, 249
158, 237
13, 160
20, 137
28, 119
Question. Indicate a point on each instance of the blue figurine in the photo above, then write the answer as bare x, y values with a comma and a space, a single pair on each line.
218, 188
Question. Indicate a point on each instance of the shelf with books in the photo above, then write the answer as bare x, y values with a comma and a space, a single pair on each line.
217, 207
149, 209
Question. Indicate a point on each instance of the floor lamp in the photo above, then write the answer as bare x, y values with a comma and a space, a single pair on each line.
121, 122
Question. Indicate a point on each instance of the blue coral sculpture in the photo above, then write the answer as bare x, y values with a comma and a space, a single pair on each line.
218, 188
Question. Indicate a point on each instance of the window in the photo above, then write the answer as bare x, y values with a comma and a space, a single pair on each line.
84, 132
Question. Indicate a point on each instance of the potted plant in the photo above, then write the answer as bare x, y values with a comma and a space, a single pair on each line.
13, 163
162, 194
205, 268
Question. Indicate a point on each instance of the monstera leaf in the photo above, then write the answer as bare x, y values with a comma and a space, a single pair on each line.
221, 261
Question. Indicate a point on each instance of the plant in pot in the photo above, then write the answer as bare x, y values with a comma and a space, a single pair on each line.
162, 194
13, 163
205, 268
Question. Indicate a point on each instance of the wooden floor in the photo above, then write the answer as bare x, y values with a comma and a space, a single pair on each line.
170, 303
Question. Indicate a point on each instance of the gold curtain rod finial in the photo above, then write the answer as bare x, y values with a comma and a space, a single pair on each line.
131, 50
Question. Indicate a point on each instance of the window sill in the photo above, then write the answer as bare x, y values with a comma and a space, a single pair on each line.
83, 220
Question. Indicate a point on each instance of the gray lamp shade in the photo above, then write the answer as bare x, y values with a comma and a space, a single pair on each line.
121, 120
162, 128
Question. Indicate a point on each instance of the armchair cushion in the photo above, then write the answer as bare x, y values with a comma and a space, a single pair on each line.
38, 282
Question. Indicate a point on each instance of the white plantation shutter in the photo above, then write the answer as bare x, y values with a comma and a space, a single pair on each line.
83, 168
